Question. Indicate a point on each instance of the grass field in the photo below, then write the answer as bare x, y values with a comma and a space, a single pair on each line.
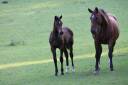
28, 23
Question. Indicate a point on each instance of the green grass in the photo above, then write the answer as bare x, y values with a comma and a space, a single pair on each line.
31, 21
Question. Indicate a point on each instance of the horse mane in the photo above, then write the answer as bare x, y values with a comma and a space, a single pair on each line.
54, 26
105, 17
55, 32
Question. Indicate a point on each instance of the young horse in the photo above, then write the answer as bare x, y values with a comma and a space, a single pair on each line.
104, 29
62, 38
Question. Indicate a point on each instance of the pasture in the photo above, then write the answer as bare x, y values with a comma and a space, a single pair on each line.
25, 56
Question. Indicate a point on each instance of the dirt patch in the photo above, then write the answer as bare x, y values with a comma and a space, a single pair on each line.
4, 2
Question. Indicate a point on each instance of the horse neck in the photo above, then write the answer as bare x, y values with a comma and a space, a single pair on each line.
106, 20
106, 25
55, 32
105, 30
55, 28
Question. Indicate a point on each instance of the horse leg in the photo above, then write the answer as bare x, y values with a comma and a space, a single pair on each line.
55, 60
71, 56
61, 61
67, 62
110, 54
98, 49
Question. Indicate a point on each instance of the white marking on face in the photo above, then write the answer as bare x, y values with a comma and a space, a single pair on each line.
93, 16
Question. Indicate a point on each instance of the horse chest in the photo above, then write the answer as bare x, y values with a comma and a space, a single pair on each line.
57, 43
103, 41
102, 38
55, 40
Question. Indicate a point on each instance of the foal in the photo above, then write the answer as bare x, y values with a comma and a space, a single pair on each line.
104, 28
62, 38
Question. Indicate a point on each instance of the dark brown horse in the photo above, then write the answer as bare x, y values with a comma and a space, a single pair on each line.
104, 28
62, 38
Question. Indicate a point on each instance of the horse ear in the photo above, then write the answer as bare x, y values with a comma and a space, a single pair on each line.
56, 18
96, 9
90, 10
61, 17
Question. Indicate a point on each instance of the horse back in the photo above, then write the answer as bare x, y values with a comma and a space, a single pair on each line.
68, 31
114, 27
68, 36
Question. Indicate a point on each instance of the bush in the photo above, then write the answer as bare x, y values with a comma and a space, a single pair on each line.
14, 43
5, 2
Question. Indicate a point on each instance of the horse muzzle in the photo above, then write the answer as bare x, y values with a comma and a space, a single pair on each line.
60, 32
93, 31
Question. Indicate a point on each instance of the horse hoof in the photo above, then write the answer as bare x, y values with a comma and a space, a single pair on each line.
67, 68
73, 70
96, 72
56, 74
111, 69
62, 73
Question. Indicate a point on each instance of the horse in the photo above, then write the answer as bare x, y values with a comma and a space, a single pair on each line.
61, 38
105, 30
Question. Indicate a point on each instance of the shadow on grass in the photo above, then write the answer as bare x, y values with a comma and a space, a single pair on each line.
120, 69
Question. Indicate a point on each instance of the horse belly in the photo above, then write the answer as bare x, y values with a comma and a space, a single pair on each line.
104, 40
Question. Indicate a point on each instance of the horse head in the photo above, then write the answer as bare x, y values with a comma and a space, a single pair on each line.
99, 20
58, 25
